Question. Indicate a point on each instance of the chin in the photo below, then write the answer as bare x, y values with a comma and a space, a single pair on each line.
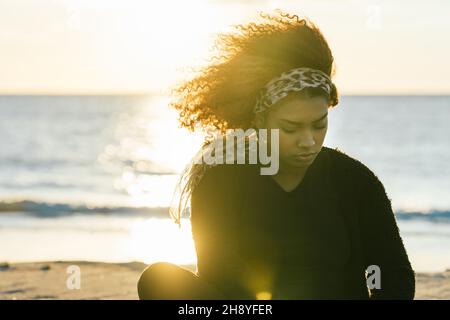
299, 164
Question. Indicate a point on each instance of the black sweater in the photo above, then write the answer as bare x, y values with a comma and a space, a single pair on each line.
314, 242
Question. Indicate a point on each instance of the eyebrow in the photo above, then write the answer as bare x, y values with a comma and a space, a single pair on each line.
299, 123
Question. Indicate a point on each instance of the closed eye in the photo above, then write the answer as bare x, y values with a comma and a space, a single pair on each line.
288, 130
323, 126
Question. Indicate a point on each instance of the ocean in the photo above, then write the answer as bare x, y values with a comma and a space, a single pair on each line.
90, 177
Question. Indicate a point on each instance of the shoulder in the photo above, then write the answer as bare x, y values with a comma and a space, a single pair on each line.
347, 165
349, 171
223, 178
224, 173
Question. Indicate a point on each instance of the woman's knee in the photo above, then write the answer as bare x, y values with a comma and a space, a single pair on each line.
158, 278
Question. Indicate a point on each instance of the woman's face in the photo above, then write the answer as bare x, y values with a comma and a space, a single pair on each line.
302, 124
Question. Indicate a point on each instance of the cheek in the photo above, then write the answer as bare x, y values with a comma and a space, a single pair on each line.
319, 135
287, 143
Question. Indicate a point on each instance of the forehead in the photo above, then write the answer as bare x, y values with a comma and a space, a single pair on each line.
300, 109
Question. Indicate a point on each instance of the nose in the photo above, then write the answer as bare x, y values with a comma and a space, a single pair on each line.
305, 140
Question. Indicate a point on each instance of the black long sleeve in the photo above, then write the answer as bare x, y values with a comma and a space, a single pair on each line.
382, 243
214, 202
227, 204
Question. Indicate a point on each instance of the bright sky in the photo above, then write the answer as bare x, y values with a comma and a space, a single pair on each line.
131, 46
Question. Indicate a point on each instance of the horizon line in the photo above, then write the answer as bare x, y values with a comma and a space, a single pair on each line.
158, 93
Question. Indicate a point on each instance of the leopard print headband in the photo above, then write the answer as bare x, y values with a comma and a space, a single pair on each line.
292, 80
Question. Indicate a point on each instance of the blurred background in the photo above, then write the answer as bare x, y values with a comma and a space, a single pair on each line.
91, 153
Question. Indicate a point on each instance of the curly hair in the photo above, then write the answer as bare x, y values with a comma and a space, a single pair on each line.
222, 96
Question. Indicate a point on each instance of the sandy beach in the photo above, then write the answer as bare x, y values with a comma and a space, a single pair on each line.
48, 280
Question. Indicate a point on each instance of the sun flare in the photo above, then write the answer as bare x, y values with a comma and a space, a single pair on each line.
154, 240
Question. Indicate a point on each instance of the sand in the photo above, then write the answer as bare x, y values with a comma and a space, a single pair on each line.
48, 280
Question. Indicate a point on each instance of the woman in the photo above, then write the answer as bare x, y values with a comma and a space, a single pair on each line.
310, 231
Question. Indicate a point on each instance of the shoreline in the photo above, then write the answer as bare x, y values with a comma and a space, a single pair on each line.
102, 280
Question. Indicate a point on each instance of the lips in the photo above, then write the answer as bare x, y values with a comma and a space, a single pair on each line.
304, 156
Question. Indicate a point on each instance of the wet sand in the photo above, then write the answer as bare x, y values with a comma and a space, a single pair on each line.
49, 280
